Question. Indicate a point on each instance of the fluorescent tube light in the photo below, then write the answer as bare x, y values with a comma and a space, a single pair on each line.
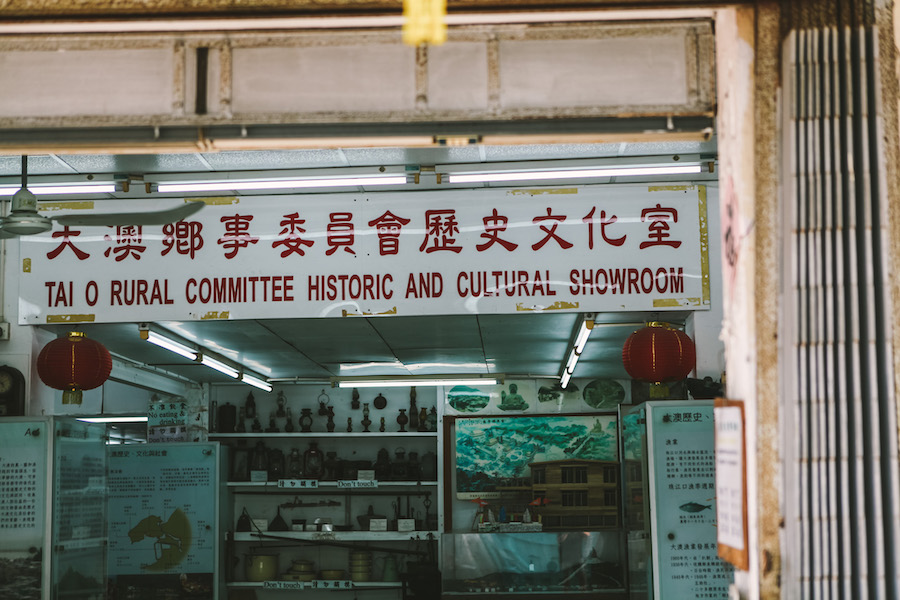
573, 174
47, 190
112, 419
256, 382
279, 184
412, 381
219, 366
171, 345
564, 380
584, 332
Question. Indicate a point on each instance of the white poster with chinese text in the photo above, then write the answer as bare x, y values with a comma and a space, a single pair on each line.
579, 249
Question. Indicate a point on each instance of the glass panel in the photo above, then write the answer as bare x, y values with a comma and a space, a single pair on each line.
539, 563
79, 511
163, 520
23, 493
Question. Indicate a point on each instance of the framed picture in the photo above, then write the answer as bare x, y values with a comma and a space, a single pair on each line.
500, 454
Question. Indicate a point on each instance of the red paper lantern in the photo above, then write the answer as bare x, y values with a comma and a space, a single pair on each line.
74, 363
659, 353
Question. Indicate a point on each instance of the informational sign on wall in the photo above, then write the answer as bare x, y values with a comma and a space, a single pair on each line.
684, 528
162, 517
23, 493
589, 248
731, 483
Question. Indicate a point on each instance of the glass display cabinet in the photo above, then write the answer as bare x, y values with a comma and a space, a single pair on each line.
669, 501
543, 564
53, 503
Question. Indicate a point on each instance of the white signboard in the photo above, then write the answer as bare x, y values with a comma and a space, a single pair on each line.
592, 248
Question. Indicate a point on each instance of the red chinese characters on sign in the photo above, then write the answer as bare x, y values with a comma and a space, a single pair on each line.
388, 227
441, 228
555, 220
604, 222
65, 233
292, 227
184, 237
339, 233
236, 236
659, 218
494, 225
128, 242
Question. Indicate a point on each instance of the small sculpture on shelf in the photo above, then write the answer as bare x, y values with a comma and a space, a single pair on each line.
250, 406
276, 464
280, 400
349, 424
259, 461
289, 420
354, 400
324, 404
413, 410
432, 419
240, 426
381, 426
330, 424
313, 461
383, 465
306, 420
423, 420
402, 420
256, 427
272, 428
330, 466
400, 466
366, 421
295, 465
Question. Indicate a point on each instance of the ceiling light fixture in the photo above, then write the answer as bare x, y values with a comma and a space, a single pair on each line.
256, 382
171, 345
71, 188
202, 356
572, 174
653, 166
218, 365
112, 419
412, 380
279, 184
581, 338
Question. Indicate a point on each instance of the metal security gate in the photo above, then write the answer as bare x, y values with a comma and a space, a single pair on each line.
841, 498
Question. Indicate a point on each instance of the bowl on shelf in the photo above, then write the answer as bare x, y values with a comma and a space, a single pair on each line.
332, 574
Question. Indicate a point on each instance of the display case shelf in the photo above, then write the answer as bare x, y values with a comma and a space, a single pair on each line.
340, 536
356, 585
324, 434
273, 485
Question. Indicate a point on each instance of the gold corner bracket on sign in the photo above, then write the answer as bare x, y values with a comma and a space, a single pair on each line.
71, 205
559, 305
215, 314
670, 188
89, 318
704, 244
390, 311
216, 200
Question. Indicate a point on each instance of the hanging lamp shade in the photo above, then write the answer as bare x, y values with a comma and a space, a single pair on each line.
74, 363
659, 353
